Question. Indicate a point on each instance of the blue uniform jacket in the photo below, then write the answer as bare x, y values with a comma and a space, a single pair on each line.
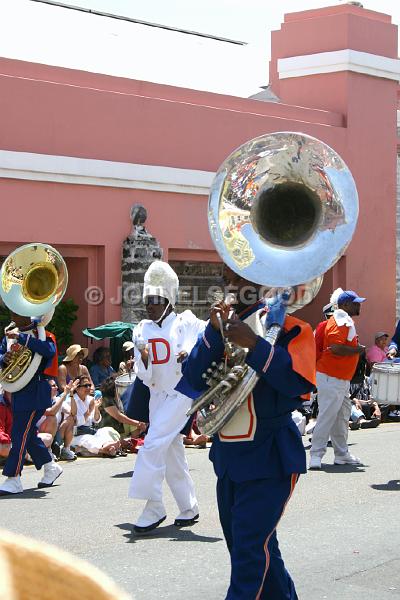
36, 395
276, 449
395, 343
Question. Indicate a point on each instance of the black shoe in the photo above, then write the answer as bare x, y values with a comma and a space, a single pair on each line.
56, 449
370, 424
186, 522
138, 529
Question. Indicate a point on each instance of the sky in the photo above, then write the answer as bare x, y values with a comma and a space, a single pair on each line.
107, 45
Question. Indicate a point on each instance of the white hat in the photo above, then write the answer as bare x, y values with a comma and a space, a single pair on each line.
161, 280
328, 309
127, 346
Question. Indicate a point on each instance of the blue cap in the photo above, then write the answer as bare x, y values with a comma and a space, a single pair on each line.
349, 296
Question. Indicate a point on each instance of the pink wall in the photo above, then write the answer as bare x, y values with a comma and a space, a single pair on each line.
57, 111
368, 105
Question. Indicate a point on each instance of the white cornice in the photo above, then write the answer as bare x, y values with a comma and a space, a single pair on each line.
88, 171
339, 60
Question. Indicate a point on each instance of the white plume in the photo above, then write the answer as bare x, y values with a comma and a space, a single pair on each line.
335, 296
161, 280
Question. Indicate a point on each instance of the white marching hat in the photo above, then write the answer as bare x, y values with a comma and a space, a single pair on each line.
161, 280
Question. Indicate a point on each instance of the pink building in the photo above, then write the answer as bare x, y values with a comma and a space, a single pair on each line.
78, 149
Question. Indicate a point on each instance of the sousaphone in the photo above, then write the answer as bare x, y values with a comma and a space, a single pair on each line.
33, 280
282, 210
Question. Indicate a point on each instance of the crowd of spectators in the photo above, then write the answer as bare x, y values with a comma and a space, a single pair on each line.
87, 416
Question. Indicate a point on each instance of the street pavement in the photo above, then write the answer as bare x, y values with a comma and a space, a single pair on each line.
340, 535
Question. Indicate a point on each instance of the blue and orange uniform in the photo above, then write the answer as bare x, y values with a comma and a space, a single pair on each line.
29, 405
259, 455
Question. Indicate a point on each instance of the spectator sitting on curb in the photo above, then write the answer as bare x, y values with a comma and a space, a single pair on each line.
88, 440
50, 422
102, 366
113, 414
72, 367
365, 414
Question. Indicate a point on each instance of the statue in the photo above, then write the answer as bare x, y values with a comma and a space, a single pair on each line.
139, 250
138, 218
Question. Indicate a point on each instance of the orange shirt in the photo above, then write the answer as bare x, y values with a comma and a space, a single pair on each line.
341, 367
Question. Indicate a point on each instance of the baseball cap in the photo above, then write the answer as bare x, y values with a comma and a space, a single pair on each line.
349, 296
380, 334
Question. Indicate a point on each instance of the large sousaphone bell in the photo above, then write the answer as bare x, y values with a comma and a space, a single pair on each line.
33, 280
282, 209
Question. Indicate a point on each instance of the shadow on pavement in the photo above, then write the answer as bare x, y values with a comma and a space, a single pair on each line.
343, 468
174, 534
390, 486
26, 494
120, 475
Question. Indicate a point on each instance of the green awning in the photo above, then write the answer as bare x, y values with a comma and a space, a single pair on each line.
117, 329
118, 332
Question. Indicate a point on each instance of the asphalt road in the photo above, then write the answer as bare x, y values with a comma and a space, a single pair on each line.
340, 535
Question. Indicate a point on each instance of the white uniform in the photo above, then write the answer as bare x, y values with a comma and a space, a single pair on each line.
163, 454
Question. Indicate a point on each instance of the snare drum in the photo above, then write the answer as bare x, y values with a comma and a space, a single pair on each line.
385, 383
123, 382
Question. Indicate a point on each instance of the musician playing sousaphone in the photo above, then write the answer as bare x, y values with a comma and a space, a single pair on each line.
259, 455
28, 356
257, 452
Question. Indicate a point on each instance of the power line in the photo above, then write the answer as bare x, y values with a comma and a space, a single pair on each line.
139, 22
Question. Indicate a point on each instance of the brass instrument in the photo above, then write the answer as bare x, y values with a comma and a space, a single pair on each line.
282, 209
33, 281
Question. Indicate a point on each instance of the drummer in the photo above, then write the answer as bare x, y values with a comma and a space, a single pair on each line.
126, 365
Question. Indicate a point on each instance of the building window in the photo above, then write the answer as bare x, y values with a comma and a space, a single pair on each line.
200, 283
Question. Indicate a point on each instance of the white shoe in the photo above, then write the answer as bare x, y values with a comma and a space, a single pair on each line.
315, 462
347, 459
153, 514
12, 485
187, 517
51, 472
67, 454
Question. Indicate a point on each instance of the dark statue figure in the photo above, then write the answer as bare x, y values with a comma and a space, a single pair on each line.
139, 250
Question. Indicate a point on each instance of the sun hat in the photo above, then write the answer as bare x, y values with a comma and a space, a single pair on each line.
126, 346
73, 350
34, 570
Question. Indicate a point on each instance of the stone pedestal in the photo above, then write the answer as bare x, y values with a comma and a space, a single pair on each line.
139, 250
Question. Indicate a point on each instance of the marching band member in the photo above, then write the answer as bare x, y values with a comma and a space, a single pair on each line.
29, 405
258, 455
164, 340
335, 369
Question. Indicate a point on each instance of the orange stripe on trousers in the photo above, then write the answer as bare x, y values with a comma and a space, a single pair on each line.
21, 452
293, 482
